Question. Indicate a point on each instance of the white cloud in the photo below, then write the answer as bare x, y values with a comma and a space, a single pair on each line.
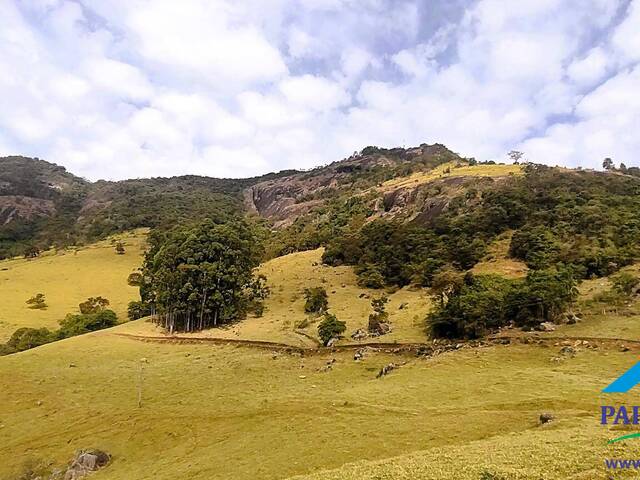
125, 88
315, 93
626, 39
202, 38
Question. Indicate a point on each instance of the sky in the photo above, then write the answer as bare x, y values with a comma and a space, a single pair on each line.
119, 89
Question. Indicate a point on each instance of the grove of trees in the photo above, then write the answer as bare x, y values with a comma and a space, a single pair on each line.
201, 276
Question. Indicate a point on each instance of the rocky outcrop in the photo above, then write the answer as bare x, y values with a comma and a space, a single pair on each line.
13, 207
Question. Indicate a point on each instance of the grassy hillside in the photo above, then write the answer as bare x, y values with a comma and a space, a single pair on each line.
218, 412
225, 411
284, 318
67, 278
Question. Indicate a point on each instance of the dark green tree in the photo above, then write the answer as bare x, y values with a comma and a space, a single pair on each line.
93, 305
198, 277
330, 327
316, 300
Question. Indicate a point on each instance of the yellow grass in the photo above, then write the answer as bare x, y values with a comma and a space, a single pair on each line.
219, 412
498, 262
439, 172
288, 276
227, 412
67, 278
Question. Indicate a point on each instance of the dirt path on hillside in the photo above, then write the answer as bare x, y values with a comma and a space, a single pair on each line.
398, 347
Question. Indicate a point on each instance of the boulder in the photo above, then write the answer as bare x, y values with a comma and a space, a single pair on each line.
359, 334
567, 350
86, 461
547, 327
386, 370
546, 417
384, 328
359, 355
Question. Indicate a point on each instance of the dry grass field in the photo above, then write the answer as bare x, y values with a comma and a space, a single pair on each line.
67, 278
236, 412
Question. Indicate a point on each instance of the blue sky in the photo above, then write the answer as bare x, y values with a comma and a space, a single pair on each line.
132, 88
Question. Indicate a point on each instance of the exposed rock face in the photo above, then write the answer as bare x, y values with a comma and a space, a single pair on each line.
13, 207
286, 198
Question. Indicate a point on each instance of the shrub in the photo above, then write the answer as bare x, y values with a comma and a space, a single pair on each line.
25, 338
120, 248
330, 327
316, 300
93, 305
37, 302
74, 324
136, 310
369, 276
473, 306
379, 315
134, 279
625, 283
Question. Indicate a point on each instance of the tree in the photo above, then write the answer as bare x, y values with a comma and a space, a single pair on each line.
330, 328
136, 310
316, 300
120, 248
78, 324
37, 302
201, 276
26, 338
134, 279
31, 252
379, 315
93, 305
515, 156
542, 297
607, 164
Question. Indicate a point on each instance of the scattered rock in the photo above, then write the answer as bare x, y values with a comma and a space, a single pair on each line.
359, 355
546, 417
384, 328
332, 341
403, 305
568, 350
85, 462
386, 370
359, 334
624, 348
546, 327
302, 376
72, 365
424, 351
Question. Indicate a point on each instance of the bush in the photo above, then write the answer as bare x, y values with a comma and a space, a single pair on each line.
625, 283
316, 300
379, 315
330, 327
542, 297
475, 306
37, 302
93, 305
136, 310
74, 324
134, 279
25, 338
369, 276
